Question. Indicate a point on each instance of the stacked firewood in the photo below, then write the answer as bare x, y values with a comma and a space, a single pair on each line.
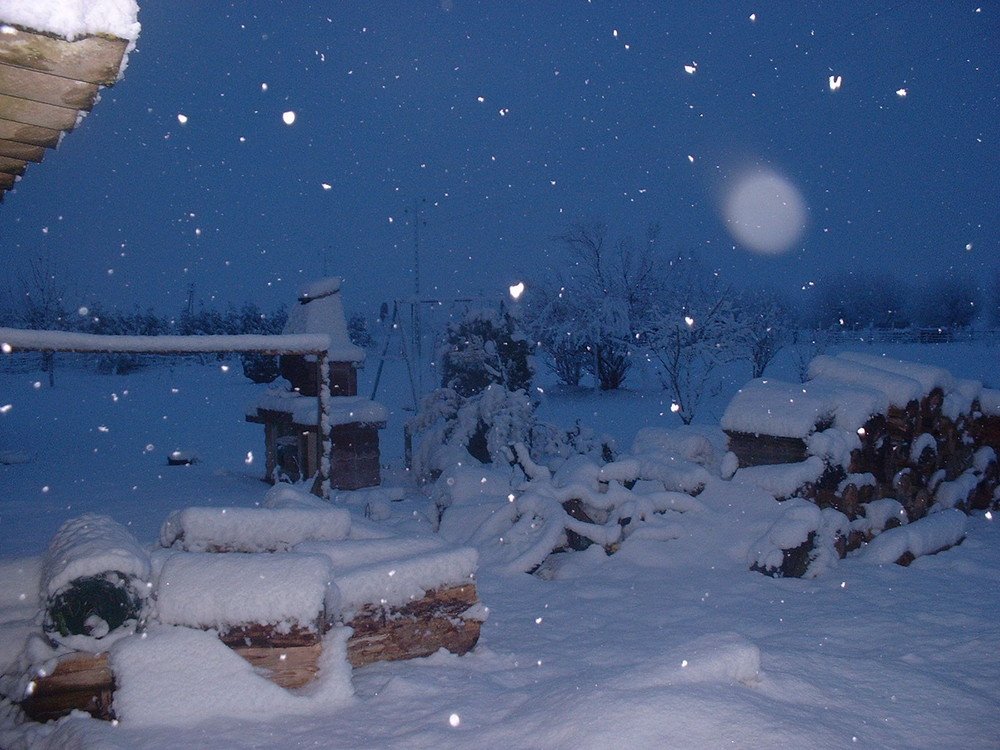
931, 443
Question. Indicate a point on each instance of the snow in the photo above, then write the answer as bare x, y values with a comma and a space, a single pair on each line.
228, 590
321, 311
772, 407
304, 410
87, 546
782, 480
929, 376
68, 341
669, 642
391, 573
72, 19
252, 529
175, 676
900, 389
930, 534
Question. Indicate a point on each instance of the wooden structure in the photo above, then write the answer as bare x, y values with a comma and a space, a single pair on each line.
296, 446
314, 346
47, 84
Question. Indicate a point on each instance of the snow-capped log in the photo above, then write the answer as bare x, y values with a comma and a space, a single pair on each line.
404, 598
909, 427
902, 545
94, 585
252, 529
278, 599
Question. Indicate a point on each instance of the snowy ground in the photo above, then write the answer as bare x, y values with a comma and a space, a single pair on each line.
664, 644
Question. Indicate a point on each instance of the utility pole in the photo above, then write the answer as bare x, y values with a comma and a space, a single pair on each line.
415, 307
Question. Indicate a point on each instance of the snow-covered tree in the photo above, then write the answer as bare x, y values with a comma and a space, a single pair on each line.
484, 347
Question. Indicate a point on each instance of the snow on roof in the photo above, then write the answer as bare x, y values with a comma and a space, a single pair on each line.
12, 339
71, 19
228, 590
900, 389
393, 572
774, 407
252, 529
304, 410
87, 546
928, 376
321, 310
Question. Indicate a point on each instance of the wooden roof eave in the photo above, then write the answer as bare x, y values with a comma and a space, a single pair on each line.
47, 84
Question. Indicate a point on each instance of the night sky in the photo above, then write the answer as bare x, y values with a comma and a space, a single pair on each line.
505, 122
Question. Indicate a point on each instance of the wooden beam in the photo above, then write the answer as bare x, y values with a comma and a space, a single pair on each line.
93, 59
47, 88
12, 166
22, 151
7, 181
37, 113
30, 134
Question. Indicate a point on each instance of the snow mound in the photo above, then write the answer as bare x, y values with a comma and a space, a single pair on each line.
178, 676
726, 658
252, 529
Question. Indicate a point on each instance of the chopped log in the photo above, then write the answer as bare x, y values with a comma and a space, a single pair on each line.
289, 666
420, 628
760, 450
80, 682
267, 636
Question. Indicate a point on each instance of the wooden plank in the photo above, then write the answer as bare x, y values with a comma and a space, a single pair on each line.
92, 59
7, 180
12, 166
47, 88
80, 682
30, 134
23, 151
37, 113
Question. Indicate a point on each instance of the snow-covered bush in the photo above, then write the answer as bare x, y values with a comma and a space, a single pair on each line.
485, 347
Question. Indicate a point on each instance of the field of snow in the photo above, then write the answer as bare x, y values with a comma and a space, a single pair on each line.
671, 642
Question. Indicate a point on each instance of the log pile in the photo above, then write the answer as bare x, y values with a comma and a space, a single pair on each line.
431, 604
884, 429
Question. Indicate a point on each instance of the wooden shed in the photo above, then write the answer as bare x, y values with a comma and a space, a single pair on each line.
295, 443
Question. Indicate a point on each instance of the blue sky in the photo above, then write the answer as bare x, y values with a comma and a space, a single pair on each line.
505, 122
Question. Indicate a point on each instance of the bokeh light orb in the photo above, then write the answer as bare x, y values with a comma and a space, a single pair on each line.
765, 212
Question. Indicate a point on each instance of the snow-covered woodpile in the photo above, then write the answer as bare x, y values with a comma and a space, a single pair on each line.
274, 584
296, 445
874, 443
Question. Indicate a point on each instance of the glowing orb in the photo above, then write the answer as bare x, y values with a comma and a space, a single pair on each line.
516, 290
288, 117
765, 212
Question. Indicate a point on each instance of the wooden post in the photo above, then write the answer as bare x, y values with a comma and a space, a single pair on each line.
324, 441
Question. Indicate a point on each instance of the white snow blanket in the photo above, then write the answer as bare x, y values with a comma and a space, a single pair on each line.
930, 534
178, 676
393, 572
772, 407
230, 590
900, 389
88, 546
252, 529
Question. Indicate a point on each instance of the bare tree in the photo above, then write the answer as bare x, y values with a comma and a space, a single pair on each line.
762, 323
43, 303
694, 331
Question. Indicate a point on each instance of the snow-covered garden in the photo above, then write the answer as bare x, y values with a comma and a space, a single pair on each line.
670, 641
